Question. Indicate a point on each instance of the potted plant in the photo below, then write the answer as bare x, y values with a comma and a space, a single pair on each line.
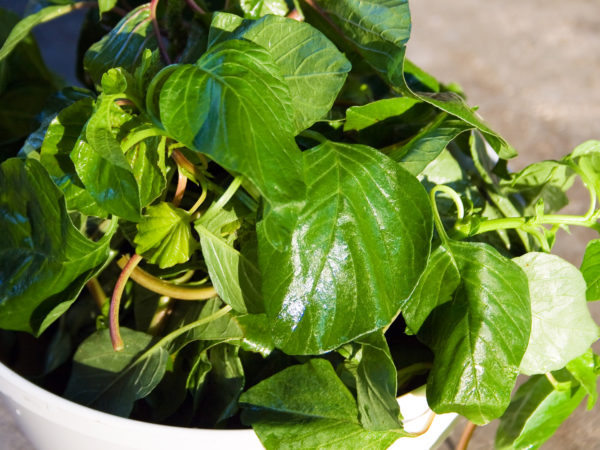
261, 214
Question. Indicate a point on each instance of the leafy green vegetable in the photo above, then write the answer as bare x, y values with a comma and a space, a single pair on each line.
558, 307
590, 268
253, 9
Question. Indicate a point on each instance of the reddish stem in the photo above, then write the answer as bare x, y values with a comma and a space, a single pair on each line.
295, 15
159, 39
466, 436
115, 302
181, 185
192, 4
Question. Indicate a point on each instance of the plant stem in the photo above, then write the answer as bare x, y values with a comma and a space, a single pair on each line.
227, 195
97, 292
162, 287
115, 302
192, 4
202, 197
163, 310
466, 436
138, 136
159, 39
180, 191
551, 219
436, 215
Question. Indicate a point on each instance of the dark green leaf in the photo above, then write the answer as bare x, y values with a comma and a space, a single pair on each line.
312, 66
123, 45
537, 410
357, 251
45, 261
307, 406
558, 306
257, 334
165, 236
235, 277
480, 337
112, 381
590, 268
22, 29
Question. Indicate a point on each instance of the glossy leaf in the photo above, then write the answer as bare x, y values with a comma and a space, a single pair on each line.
585, 369
352, 258
360, 117
22, 29
590, 268
44, 260
237, 86
61, 137
537, 410
558, 306
312, 66
254, 9
165, 236
123, 46
222, 27
480, 337
236, 277
307, 406
257, 334
112, 381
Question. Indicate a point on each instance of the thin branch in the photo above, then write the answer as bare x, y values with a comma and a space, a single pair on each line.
115, 302
180, 191
159, 39
97, 292
466, 436
192, 4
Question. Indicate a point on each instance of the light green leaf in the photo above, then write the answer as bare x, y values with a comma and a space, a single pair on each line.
237, 86
112, 381
480, 337
236, 278
222, 26
123, 46
44, 260
558, 307
106, 5
22, 29
537, 410
307, 406
360, 117
590, 268
254, 9
165, 236
585, 369
314, 69
357, 250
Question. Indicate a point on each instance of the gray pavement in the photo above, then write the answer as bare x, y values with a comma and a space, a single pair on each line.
533, 67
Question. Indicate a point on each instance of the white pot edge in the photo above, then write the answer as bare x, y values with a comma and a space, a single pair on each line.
52, 422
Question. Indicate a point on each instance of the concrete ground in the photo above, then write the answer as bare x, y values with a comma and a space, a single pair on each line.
533, 67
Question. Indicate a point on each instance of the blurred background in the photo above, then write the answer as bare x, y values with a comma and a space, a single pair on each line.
532, 67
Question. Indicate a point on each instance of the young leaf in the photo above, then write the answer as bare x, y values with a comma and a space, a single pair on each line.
357, 251
106, 5
123, 45
590, 268
537, 410
236, 278
165, 236
254, 9
312, 66
112, 381
480, 337
307, 406
558, 306
44, 260
22, 29
585, 369
360, 117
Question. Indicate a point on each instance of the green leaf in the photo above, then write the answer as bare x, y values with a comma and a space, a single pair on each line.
537, 410
112, 381
314, 69
376, 385
225, 107
307, 406
257, 334
44, 260
436, 287
22, 29
480, 337
165, 236
558, 306
123, 46
236, 277
357, 250
222, 27
360, 117
254, 9
585, 370
590, 268
61, 137
586, 157
106, 5
103, 168
378, 31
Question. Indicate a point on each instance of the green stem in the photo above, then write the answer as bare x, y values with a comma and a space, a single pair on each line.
436, 215
227, 195
520, 222
137, 137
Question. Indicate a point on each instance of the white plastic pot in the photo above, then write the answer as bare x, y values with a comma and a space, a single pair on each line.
51, 422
